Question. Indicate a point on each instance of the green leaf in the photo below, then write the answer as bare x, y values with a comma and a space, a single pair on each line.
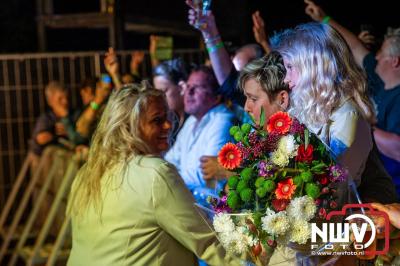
306, 138
252, 118
257, 218
318, 168
262, 117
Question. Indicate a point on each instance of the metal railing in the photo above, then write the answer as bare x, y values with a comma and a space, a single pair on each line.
22, 81
44, 221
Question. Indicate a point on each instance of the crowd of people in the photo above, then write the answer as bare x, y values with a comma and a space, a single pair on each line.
153, 148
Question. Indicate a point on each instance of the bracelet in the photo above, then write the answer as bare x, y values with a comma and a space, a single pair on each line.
213, 39
215, 47
326, 19
94, 105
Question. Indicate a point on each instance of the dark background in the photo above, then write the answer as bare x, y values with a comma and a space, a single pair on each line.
18, 26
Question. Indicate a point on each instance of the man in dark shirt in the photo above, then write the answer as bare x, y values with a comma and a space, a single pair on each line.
56, 126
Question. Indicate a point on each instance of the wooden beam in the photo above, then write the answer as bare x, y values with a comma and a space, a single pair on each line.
153, 25
87, 20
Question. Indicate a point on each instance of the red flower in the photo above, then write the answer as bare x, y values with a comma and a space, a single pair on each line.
279, 123
272, 243
280, 204
256, 249
230, 156
285, 189
322, 213
323, 179
305, 155
318, 202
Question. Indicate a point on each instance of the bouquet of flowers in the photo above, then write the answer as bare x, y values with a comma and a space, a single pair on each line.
283, 177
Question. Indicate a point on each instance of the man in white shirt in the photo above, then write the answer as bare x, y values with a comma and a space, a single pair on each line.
203, 134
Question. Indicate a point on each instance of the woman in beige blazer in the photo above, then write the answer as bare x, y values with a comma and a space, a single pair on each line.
128, 206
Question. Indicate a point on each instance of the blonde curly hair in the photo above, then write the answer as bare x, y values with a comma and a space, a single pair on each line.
328, 73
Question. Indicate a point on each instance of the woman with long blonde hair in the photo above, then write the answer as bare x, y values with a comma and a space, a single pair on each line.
329, 95
128, 206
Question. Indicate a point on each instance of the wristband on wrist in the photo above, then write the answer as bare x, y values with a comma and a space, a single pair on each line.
94, 105
212, 39
215, 47
326, 19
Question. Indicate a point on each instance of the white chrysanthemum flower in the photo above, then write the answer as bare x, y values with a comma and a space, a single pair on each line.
236, 242
269, 212
302, 208
225, 239
287, 145
279, 158
301, 231
223, 223
276, 224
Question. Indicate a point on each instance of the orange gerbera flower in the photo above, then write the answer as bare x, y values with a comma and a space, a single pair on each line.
230, 156
285, 189
279, 123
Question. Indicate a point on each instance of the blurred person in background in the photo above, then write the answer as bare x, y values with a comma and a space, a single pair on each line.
170, 77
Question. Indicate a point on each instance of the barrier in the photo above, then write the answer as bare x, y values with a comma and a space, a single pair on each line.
22, 81
40, 251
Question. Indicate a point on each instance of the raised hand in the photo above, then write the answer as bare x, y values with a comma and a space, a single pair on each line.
137, 58
367, 38
259, 31
207, 26
111, 62
314, 11
103, 90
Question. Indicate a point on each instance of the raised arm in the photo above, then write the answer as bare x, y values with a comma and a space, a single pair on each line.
318, 14
84, 124
112, 66
220, 59
259, 32
137, 58
388, 143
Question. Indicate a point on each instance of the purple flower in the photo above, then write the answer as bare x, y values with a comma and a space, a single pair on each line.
244, 150
337, 173
253, 138
265, 168
271, 142
258, 149
222, 206
296, 127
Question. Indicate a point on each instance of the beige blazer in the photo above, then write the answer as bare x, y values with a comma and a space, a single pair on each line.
148, 218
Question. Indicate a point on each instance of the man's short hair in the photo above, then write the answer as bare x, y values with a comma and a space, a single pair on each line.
268, 71
211, 79
393, 36
258, 51
52, 87
89, 82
